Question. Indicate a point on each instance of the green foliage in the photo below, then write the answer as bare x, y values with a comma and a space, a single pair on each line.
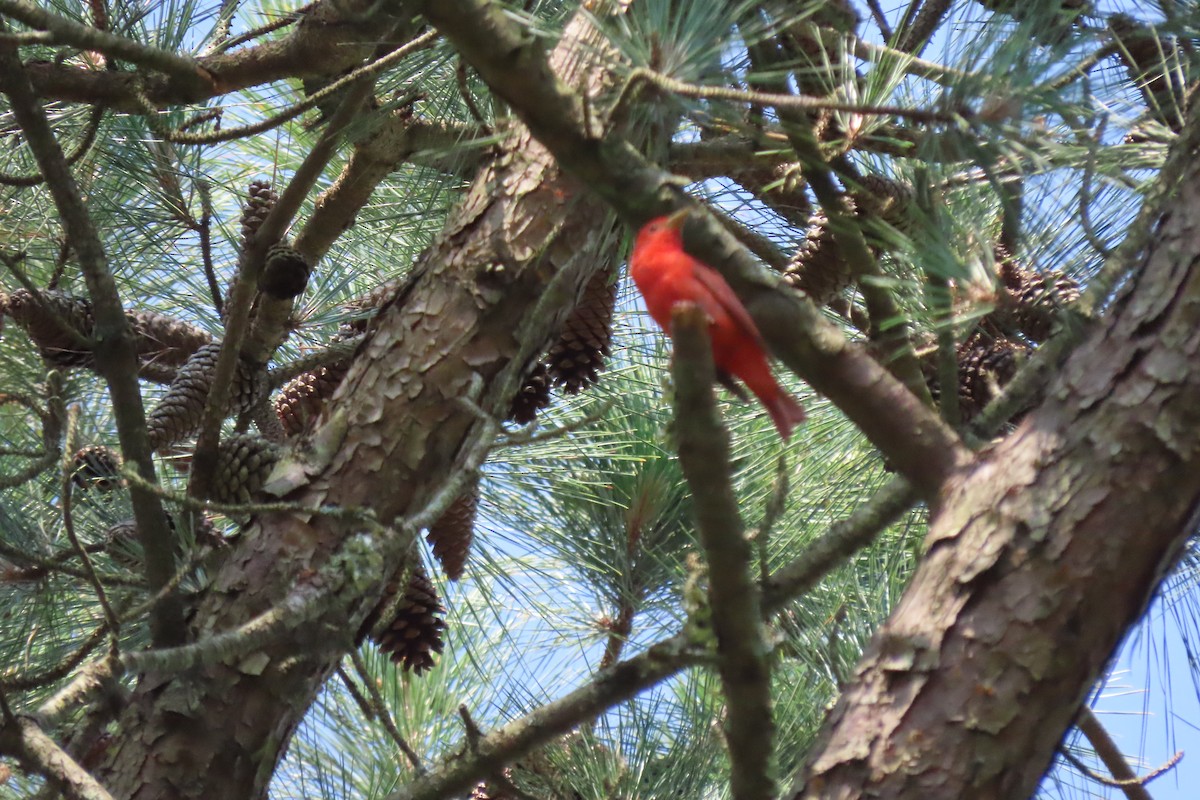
581, 549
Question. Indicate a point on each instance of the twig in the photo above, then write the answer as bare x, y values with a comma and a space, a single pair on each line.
189, 503
492, 751
1133, 786
288, 19
205, 232
523, 437
81, 149
843, 539
360, 700
914, 36
23, 737
775, 506
464, 91
60, 263
367, 71
182, 68
733, 594
381, 712
57, 563
796, 102
115, 351
1085, 193
331, 354
66, 487
13, 680
52, 419
880, 19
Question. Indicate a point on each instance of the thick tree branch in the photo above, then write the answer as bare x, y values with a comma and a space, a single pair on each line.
1087, 505
324, 43
192, 79
733, 595
23, 738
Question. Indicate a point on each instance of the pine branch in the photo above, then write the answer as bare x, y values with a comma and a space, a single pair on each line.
116, 356
24, 738
733, 595
192, 78
1091, 727
324, 43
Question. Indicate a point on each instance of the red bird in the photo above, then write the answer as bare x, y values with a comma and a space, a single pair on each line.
666, 276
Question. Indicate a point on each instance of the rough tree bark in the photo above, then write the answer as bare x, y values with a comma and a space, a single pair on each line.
219, 730
1044, 552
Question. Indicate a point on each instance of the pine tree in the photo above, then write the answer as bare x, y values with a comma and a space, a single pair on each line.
418, 502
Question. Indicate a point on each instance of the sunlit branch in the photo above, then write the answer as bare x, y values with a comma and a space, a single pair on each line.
187, 71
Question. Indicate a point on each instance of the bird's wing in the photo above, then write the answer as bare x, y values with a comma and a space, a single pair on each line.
711, 280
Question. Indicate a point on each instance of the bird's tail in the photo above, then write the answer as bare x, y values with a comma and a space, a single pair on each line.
786, 412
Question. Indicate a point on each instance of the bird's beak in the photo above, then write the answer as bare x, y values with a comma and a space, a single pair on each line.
675, 221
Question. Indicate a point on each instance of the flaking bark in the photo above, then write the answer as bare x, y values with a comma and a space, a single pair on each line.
1043, 554
218, 730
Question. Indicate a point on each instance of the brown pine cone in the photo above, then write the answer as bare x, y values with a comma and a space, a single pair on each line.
53, 343
285, 272
415, 631
165, 340
243, 463
261, 198
577, 358
302, 398
532, 397
818, 267
179, 413
451, 535
1030, 301
97, 467
985, 366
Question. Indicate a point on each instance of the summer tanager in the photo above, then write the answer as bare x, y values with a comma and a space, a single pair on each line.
666, 276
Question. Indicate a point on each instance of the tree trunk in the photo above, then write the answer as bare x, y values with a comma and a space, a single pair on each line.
1039, 559
219, 730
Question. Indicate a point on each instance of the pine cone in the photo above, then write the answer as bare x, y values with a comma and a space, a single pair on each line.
261, 198
97, 467
53, 343
160, 338
302, 398
887, 199
1030, 301
532, 397
243, 463
179, 413
372, 301
818, 267
451, 535
415, 632
285, 273
165, 340
576, 359
985, 366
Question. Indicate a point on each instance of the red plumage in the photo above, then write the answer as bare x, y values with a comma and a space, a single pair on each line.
666, 276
